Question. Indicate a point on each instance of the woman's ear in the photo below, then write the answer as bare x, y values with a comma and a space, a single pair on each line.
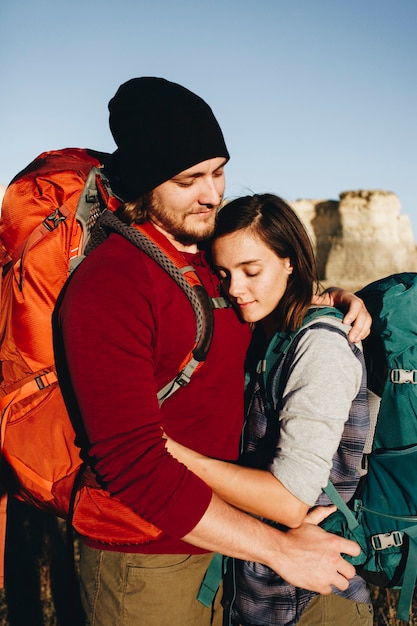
288, 265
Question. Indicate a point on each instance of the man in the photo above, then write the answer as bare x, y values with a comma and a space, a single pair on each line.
125, 327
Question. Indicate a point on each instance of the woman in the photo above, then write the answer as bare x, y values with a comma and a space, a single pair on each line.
266, 263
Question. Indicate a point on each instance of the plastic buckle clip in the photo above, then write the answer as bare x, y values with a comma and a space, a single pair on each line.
40, 382
404, 376
52, 221
387, 540
182, 379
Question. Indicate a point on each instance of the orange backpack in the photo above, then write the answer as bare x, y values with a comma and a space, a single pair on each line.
48, 214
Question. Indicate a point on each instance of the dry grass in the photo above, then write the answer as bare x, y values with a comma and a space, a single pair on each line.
385, 606
39, 593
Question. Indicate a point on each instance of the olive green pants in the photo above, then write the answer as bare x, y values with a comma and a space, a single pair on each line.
333, 610
119, 589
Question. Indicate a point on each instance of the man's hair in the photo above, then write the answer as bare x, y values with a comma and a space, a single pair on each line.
137, 211
272, 220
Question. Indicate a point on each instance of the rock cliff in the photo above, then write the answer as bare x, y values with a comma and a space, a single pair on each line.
360, 237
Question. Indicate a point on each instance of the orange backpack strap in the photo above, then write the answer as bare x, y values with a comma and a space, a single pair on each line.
48, 225
38, 382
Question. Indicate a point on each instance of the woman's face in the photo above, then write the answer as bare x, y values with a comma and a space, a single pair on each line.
252, 274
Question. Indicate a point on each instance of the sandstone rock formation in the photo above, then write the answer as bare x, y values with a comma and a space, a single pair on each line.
359, 238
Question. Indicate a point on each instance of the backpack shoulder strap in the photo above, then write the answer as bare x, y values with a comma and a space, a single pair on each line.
96, 196
273, 363
157, 247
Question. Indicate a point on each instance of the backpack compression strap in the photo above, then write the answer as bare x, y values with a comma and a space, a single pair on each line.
157, 247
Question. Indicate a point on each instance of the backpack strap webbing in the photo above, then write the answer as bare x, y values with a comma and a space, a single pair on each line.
333, 495
410, 576
212, 579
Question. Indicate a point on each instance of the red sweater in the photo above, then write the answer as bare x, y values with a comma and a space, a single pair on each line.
126, 327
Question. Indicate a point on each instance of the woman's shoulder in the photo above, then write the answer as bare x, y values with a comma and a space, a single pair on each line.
327, 336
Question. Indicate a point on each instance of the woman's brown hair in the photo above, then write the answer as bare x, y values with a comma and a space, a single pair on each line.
271, 219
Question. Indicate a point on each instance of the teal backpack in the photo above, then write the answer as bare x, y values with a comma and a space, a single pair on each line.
382, 517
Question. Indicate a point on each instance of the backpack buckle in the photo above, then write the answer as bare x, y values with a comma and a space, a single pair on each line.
404, 376
387, 540
52, 221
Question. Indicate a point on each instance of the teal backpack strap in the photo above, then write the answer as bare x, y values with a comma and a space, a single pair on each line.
320, 311
410, 576
334, 496
212, 579
280, 345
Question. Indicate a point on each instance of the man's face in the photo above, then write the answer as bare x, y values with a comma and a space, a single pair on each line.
184, 208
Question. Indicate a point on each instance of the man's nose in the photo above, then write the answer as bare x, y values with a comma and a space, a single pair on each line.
210, 194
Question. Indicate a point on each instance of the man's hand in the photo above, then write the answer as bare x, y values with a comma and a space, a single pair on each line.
311, 558
307, 557
356, 313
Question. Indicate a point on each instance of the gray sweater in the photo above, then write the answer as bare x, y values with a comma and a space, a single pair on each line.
324, 378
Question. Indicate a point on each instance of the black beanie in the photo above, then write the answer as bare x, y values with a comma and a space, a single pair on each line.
160, 129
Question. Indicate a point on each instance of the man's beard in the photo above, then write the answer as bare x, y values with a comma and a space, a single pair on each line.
175, 225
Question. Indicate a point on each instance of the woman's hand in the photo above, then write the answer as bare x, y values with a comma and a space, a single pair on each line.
181, 453
356, 312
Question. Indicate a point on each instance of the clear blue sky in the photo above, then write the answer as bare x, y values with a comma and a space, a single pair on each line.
314, 97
